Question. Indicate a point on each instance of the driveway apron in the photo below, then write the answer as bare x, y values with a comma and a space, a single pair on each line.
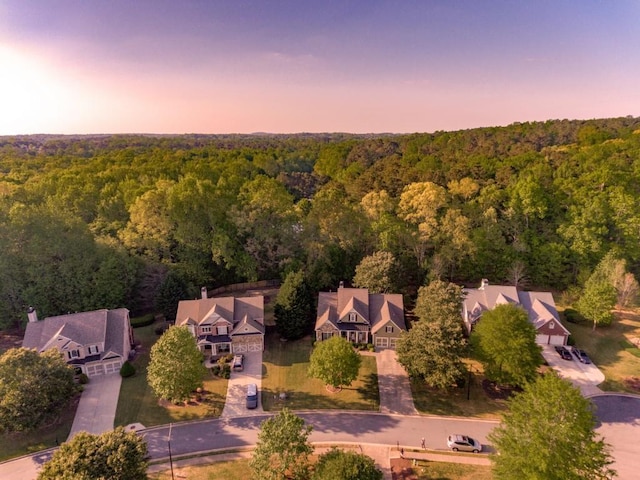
236, 402
97, 408
586, 377
394, 386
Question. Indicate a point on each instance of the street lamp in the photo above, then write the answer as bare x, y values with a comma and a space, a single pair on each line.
469, 368
169, 445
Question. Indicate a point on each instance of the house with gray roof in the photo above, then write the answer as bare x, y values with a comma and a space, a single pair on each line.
225, 324
360, 316
95, 343
540, 308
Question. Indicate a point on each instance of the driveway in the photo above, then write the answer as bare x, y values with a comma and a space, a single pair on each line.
585, 377
235, 404
97, 408
394, 386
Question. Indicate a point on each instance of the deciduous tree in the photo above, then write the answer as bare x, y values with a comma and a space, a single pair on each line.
283, 448
505, 341
33, 388
114, 455
335, 362
175, 368
548, 434
345, 465
376, 272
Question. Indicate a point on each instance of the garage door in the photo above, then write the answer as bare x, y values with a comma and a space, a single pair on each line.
112, 367
392, 343
254, 347
382, 342
542, 339
556, 339
95, 370
240, 348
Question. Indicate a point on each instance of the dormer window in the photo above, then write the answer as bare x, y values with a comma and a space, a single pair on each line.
353, 317
73, 354
388, 329
92, 349
222, 330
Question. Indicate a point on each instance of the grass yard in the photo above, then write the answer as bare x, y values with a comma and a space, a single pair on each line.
284, 369
229, 470
610, 348
17, 444
138, 403
454, 402
424, 470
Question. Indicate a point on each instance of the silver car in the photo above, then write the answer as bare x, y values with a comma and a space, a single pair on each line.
252, 396
463, 443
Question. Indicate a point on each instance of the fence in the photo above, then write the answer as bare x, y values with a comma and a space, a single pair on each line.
244, 286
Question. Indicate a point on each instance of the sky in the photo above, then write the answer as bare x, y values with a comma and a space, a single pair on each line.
288, 66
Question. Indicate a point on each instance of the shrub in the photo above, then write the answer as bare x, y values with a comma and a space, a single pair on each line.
127, 369
370, 347
161, 329
226, 371
142, 321
215, 370
571, 341
83, 379
573, 316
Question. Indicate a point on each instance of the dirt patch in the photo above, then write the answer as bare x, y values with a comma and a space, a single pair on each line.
402, 469
10, 340
498, 392
633, 383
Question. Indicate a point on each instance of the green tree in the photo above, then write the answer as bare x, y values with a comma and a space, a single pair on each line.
376, 272
548, 434
344, 465
114, 455
283, 448
335, 362
505, 341
596, 302
294, 306
434, 346
171, 291
175, 368
34, 388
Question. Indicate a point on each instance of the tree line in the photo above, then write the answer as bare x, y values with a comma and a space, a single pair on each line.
116, 220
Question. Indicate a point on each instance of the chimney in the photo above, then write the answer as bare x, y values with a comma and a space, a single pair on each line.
341, 285
203, 292
483, 283
32, 315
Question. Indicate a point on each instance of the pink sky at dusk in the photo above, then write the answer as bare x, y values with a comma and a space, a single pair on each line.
287, 66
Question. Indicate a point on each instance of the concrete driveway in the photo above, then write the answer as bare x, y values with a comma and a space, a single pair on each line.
235, 404
393, 384
97, 408
584, 376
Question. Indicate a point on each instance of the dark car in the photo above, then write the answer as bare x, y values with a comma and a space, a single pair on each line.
563, 352
581, 355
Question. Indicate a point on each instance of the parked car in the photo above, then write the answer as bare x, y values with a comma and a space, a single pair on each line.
238, 363
563, 352
581, 355
463, 443
252, 396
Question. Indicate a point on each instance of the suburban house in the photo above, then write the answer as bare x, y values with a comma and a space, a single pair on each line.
224, 325
95, 343
539, 306
360, 316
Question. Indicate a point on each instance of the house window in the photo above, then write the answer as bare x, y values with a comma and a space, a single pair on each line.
206, 329
353, 317
93, 349
73, 353
552, 325
388, 329
326, 335
223, 330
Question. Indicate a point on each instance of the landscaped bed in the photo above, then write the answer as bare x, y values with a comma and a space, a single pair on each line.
284, 370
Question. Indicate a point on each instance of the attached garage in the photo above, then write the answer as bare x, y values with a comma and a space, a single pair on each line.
382, 342
112, 367
94, 370
247, 343
544, 339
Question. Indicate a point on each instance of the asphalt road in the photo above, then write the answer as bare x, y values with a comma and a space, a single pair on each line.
357, 427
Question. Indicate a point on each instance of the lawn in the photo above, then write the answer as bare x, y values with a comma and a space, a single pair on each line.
461, 402
424, 470
284, 370
138, 403
229, 470
610, 349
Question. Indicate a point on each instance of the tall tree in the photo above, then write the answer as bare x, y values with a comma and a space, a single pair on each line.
505, 341
339, 464
596, 302
294, 306
547, 433
335, 362
433, 348
34, 388
116, 455
175, 368
282, 450
376, 272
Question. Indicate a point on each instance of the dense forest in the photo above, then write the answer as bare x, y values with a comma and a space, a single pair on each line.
116, 220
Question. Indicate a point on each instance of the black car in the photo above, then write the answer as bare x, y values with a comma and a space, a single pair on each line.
563, 352
581, 355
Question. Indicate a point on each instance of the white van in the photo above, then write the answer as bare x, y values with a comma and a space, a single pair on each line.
252, 396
